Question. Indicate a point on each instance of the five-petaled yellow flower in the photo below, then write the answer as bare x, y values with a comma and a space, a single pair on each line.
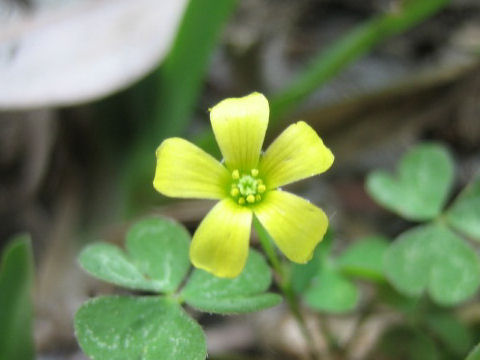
247, 182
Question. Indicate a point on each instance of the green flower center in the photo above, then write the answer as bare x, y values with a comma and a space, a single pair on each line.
246, 188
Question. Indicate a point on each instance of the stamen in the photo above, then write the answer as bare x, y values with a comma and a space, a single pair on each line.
246, 187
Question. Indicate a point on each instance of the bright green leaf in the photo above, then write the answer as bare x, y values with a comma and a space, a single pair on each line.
108, 262
159, 248
433, 258
464, 215
419, 190
16, 308
331, 292
237, 304
244, 293
156, 258
452, 332
147, 328
364, 258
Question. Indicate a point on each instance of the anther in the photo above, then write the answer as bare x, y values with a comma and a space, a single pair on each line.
235, 174
241, 200
234, 192
254, 172
251, 198
261, 188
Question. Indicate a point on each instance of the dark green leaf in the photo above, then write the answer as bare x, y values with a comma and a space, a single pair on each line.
364, 258
16, 308
147, 328
433, 258
388, 295
422, 184
244, 293
182, 72
331, 292
302, 274
464, 215
453, 333
403, 343
156, 259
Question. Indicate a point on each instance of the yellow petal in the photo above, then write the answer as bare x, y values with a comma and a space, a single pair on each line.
184, 170
296, 154
239, 125
295, 224
220, 244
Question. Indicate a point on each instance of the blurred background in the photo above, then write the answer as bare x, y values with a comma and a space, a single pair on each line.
89, 89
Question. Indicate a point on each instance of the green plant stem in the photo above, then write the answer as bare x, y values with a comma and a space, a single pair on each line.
350, 47
285, 286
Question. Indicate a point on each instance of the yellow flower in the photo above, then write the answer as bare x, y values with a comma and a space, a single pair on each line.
246, 183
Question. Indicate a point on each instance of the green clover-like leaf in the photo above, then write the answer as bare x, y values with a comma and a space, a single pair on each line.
16, 308
464, 214
364, 258
408, 343
321, 284
422, 184
147, 328
455, 335
474, 354
244, 293
433, 258
156, 257
331, 292
302, 275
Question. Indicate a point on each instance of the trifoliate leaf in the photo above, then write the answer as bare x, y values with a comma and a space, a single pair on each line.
464, 215
244, 293
421, 186
156, 258
432, 258
16, 308
364, 258
159, 248
331, 292
147, 328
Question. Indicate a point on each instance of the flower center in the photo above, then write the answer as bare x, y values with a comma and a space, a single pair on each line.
246, 188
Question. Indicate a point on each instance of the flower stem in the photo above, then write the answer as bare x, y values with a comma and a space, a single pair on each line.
285, 286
